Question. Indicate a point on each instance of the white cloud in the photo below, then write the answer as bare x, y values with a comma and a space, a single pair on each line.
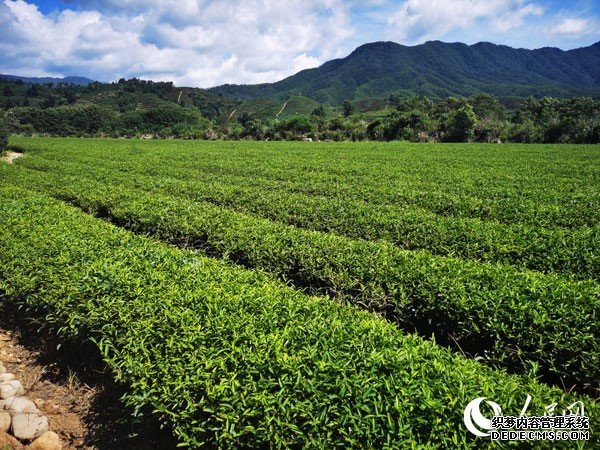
573, 26
419, 20
210, 42
513, 19
193, 42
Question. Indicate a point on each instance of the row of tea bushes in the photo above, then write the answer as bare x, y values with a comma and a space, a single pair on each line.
516, 319
571, 252
231, 359
540, 185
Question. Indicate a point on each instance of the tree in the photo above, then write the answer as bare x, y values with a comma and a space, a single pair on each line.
255, 129
462, 125
375, 130
319, 111
525, 132
348, 108
9, 103
487, 107
49, 102
296, 125
70, 97
33, 91
7, 92
405, 125
4, 133
126, 102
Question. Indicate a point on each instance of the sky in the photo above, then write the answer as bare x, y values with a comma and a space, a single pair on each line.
206, 43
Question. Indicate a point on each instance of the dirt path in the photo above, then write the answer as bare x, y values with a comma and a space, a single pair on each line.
11, 156
282, 108
81, 403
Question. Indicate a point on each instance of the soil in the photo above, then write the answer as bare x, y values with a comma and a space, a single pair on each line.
75, 392
11, 156
64, 404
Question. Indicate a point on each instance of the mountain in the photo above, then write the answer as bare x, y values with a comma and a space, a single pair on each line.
81, 81
438, 69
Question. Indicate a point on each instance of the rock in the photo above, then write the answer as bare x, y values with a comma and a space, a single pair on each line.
7, 442
5, 402
4, 421
11, 389
7, 377
39, 402
2, 368
47, 441
28, 426
16, 405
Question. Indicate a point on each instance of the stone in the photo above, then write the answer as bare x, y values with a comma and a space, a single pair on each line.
11, 389
47, 441
7, 377
4, 402
8, 442
39, 402
2, 368
28, 426
16, 405
4, 421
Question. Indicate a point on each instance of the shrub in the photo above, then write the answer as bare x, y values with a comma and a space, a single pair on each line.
3, 137
233, 360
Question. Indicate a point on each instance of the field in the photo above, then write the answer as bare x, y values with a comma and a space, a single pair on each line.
315, 295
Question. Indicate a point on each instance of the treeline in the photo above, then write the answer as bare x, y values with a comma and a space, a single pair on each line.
15, 93
94, 120
480, 118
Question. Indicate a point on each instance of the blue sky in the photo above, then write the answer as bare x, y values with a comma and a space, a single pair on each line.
208, 42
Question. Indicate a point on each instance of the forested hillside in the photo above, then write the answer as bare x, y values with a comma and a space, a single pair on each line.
437, 69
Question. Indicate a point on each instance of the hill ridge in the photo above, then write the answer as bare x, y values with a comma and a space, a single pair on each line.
438, 69
71, 79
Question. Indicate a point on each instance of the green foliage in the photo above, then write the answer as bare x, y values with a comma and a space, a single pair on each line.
126, 102
510, 315
256, 129
6, 127
347, 108
168, 117
462, 125
295, 124
525, 132
438, 70
3, 136
66, 121
232, 360
486, 107
319, 111
558, 120
136, 107
405, 125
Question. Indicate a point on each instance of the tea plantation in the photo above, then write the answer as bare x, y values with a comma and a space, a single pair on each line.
316, 295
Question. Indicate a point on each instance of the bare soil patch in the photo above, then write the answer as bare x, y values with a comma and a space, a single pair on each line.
75, 392
9, 157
